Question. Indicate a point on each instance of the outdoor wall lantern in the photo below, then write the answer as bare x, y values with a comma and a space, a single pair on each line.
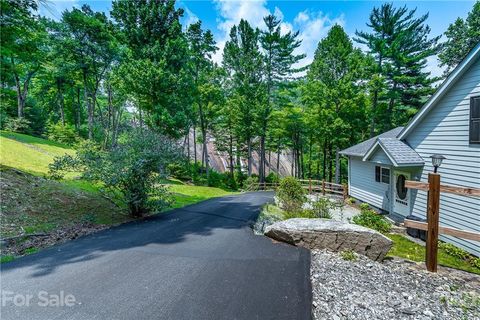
436, 161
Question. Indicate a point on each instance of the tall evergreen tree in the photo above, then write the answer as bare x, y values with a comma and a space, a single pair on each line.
279, 59
243, 62
400, 44
202, 46
334, 80
462, 36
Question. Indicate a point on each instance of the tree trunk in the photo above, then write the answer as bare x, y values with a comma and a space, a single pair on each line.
205, 150
337, 165
61, 103
89, 106
261, 168
330, 161
249, 156
269, 162
278, 156
324, 173
22, 90
188, 145
310, 159
194, 144
230, 154
78, 111
292, 164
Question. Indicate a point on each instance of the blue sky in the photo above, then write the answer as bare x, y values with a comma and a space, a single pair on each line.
312, 18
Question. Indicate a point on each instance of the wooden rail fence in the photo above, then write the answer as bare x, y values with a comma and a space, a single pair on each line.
434, 188
313, 186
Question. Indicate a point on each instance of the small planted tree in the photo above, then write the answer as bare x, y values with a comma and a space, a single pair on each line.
134, 168
291, 195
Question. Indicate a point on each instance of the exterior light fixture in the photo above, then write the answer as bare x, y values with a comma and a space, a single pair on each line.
436, 161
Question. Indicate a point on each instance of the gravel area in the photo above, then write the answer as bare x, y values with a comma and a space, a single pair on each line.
393, 289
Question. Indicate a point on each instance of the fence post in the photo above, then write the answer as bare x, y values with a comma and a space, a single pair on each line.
432, 221
345, 192
323, 187
310, 185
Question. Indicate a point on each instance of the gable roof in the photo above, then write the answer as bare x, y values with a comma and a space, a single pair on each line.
441, 91
399, 153
359, 150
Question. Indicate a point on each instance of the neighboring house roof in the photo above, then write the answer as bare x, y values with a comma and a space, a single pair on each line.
399, 153
359, 150
452, 78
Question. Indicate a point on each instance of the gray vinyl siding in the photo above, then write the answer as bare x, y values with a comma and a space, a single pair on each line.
380, 157
445, 130
362, 184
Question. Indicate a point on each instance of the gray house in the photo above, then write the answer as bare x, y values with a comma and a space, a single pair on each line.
448, 124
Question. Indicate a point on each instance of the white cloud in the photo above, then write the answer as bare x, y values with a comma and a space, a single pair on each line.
54, 9
189, 17
313, 26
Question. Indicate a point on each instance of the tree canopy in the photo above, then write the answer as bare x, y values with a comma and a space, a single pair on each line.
103, 77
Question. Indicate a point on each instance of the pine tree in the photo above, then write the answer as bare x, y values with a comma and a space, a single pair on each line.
244, 64
202, 46
279, 59
400, 44
462, 36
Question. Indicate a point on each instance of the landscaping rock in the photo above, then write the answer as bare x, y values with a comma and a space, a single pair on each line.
394, 289
335, 236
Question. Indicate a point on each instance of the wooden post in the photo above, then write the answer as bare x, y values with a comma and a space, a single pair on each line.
345, 192
310, 185
433, 221
323, 187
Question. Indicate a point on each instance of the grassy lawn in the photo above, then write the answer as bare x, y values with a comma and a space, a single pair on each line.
187, 194
29, 154
404, 248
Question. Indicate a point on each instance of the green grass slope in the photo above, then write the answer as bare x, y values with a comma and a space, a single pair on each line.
29, 154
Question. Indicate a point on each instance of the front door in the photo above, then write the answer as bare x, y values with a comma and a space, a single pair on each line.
402, 194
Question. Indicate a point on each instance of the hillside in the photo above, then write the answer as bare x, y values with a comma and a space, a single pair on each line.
29, 154
37, 212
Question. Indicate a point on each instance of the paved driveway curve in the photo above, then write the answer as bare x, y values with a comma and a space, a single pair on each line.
198, 262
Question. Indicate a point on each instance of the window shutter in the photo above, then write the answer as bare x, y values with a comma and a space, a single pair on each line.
377, 173
475, 120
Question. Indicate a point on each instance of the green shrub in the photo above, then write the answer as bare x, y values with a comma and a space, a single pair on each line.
370, 219
364, 206
291, 194
351, 200
348, 255
135, 168
272, 178
251, 184
239, 178
475, 262
321, 208
20, 125
62, 133
215, 179
453, 250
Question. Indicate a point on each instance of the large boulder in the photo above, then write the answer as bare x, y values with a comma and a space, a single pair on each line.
333, 235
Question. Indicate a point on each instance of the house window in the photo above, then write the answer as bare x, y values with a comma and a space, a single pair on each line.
475, 120
382, 174
385, 175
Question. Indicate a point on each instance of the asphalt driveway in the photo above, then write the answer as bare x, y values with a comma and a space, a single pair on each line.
199, 262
